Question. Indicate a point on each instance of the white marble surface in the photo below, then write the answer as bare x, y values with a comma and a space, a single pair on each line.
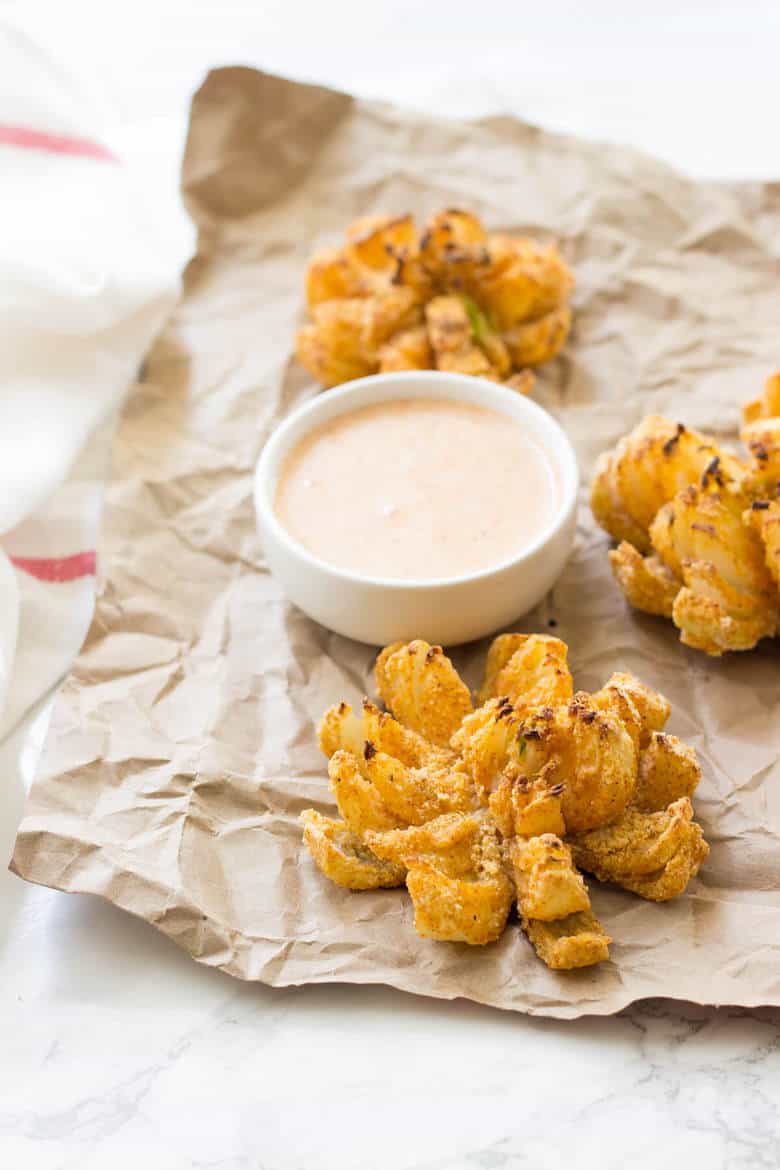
117, 1051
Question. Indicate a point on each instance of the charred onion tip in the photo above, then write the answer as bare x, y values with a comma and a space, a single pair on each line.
759, 505
369, 751
669, 445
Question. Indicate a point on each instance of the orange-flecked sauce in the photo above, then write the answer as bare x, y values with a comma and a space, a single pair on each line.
417, 489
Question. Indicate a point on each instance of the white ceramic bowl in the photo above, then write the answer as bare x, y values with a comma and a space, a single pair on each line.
446, 611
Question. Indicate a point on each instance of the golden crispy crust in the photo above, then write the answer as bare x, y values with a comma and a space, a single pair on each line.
458, 909
469, 905
343, 857
527, 788
534, 342
340, 358
607, 508
568, 943
423, 689
407, 350
762, 439
448, 842
528, 669
710, 522
342, 729
645, 470
452, 297
546, 882
668, 769
527, 806
420, 794
357, 798
652, 854
520, 280
705, 525
487, 741
590, 753
372, 241
647, 582
705, 623
763, 516
332, 276
641, 709
452, 342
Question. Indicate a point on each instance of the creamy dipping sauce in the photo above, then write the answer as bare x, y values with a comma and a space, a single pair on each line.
417, 488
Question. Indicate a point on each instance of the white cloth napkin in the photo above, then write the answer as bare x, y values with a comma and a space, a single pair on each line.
85, 284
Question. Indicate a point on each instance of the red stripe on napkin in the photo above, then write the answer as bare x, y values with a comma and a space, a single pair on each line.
58, 569
29, 139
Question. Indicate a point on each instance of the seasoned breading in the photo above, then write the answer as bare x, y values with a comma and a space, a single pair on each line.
408, 350
608, 509
534, 342
704, 621
592, 755
358, 798
763, 516
647, 582
528, 669
452, 297
652, 854
646, 469
373, 242
472, 907
465, 910
343, 856
422, 688
475, 810
521, 280
416, 795
729, 600
332, 347
341, 729
641, 709
452, 341
705, 525
527, 806
452, 237
487, 741
448, 842
546, 882
709, 522
567, 943
331, 276
668, 769
762, 440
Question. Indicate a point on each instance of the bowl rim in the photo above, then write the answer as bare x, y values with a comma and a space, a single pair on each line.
358, 393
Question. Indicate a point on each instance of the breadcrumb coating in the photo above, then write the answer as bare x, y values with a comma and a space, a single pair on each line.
654, 855
450, 297
698, 528
475, 810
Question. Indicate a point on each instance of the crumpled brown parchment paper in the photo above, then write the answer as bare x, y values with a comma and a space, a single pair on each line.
182, 746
